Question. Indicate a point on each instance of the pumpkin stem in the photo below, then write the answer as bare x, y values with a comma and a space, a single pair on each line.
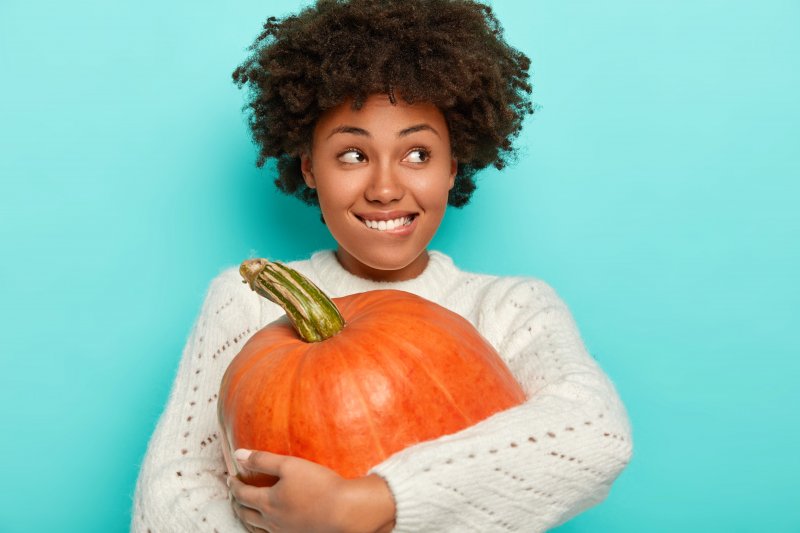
314, 316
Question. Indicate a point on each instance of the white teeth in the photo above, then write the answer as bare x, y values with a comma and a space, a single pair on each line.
388, 225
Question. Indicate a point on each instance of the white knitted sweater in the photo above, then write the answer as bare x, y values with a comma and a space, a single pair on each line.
525, 469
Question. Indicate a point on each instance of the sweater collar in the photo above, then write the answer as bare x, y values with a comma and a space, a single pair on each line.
336, 281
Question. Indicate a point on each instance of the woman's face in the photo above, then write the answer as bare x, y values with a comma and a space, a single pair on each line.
382, 175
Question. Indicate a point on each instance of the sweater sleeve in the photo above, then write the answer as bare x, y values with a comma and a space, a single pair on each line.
181, 484
531, 467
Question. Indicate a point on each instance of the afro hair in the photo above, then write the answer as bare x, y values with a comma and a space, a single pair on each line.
450, 53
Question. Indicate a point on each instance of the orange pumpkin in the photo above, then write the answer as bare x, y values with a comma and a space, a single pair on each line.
401, 371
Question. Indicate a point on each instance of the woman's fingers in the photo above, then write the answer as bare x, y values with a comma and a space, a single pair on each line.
252, 519
263, 462
248, 495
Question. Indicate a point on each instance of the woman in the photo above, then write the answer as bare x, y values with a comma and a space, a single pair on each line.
381, 112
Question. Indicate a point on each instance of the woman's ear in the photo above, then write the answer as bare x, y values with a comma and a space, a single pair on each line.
308, 173
453, 172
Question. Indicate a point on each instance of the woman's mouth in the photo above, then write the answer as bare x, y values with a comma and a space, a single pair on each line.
388, 225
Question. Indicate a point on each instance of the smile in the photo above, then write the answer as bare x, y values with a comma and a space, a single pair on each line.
388, 225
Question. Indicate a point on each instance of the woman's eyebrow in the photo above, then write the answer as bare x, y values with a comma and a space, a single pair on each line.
349, 129
418, 127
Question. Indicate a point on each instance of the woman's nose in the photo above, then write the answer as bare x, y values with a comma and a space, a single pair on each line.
385, 185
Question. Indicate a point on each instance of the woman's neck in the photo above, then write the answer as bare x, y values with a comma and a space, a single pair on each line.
361, 270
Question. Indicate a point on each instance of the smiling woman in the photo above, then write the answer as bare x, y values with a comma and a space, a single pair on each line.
383, 131
382, 174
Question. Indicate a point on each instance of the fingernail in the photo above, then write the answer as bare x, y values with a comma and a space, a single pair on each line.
241, 454
228, 481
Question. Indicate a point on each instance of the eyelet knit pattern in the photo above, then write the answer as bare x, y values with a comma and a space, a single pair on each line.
529, 468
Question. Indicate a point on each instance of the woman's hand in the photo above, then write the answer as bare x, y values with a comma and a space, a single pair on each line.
309, 498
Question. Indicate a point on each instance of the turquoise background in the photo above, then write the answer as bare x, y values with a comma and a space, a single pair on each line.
656, 189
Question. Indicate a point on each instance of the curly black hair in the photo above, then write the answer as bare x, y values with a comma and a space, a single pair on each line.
450, 53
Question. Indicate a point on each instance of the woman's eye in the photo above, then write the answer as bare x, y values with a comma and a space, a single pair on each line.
417, 155
352, 156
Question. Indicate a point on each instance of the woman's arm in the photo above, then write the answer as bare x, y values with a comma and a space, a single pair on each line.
181, 485
534, 466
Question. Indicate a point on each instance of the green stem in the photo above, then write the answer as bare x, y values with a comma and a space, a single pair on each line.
314, 316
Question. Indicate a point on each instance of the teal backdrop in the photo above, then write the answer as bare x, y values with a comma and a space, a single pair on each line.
656, 189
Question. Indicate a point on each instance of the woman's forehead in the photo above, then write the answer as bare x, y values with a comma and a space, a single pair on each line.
379, 112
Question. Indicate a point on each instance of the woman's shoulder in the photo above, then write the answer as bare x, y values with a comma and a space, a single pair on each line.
228, 282
486, 299
227, 298
503, 287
